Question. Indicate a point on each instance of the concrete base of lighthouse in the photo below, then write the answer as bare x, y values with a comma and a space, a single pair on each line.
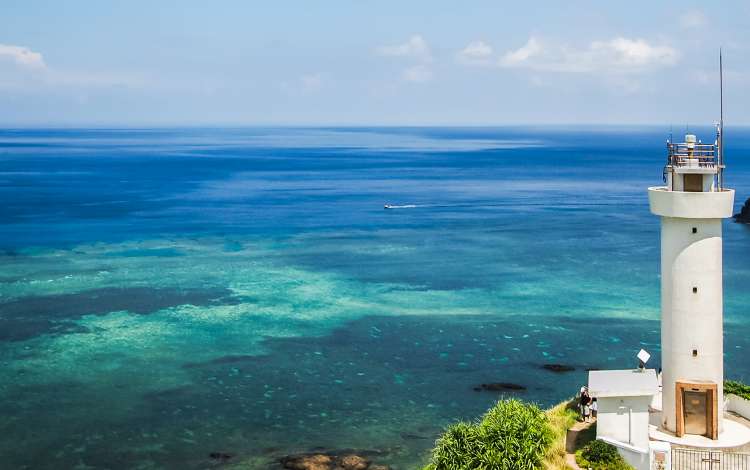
735, 434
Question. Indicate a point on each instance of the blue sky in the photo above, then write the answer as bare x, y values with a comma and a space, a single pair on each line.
367, 62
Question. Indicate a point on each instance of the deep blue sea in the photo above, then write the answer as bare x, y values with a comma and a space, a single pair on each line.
169, 293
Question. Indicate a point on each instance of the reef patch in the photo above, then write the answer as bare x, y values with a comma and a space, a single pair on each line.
28, 317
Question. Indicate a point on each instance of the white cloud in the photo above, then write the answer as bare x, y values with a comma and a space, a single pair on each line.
634, 52
692, 19
522, 55
476, 52
24, 70
416, 50
418, 73
416, 47
615, 56
22, 56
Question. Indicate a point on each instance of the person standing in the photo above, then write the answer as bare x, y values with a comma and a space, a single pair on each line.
584, 403
586, 412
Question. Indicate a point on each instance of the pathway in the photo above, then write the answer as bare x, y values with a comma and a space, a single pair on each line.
578, 435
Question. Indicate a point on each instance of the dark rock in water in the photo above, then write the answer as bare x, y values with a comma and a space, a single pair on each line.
329, 461
405, 435
220, 456
231, 359
500, 387
558, 368
744, 215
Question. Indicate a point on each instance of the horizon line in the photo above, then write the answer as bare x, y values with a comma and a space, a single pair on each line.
38, 126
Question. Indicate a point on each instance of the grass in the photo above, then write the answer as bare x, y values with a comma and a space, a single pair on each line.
561, 418
737, 388
512, 435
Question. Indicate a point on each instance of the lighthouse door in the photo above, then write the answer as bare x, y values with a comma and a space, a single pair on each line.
696, 412
697, 407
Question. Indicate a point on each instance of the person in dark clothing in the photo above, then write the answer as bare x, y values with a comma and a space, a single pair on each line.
584, 403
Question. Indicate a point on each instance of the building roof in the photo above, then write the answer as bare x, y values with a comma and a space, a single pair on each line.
622, 383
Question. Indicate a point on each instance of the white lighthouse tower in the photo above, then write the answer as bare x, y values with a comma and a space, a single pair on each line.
637, 416
692, 206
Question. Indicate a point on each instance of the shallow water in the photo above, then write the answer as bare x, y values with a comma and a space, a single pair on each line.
165, 294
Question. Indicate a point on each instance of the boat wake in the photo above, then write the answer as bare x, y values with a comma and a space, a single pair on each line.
403, 206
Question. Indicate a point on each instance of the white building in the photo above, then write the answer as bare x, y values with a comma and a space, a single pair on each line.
692, 206
686, 404
623, 398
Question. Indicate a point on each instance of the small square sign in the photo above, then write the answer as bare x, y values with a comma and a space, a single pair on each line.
644, 356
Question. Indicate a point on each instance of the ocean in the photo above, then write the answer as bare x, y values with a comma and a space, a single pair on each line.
166, 294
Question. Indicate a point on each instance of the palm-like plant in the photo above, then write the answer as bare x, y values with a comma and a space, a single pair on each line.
512, 435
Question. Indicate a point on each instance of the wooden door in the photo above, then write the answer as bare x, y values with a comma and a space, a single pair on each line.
697, 409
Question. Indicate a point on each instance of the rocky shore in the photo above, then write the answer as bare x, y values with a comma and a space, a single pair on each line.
743, 217
329, 461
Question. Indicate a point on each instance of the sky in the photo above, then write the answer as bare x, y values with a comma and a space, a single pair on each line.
478, 63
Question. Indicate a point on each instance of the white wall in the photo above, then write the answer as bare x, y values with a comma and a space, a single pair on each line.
624, 419
691, 321
637, 460
643, 459
712, 205
738, 405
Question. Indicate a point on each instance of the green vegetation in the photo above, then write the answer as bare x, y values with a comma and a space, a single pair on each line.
561, 418
598, 455
737, 388
512, 435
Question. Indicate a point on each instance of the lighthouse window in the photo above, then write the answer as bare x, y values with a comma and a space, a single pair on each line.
693, 183
695, 229
695, 353
695, 290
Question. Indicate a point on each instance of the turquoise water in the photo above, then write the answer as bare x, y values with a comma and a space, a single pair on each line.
168, 293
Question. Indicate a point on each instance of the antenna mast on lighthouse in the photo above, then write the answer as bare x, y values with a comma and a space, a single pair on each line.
721, 124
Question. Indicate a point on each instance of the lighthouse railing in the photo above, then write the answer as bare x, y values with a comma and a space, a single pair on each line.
685, 154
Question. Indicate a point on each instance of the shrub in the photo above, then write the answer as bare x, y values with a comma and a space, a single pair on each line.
512, 435
737, 388
600, 452
598, 455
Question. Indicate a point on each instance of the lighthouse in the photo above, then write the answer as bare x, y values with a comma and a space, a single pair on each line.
642, 416
692, 205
